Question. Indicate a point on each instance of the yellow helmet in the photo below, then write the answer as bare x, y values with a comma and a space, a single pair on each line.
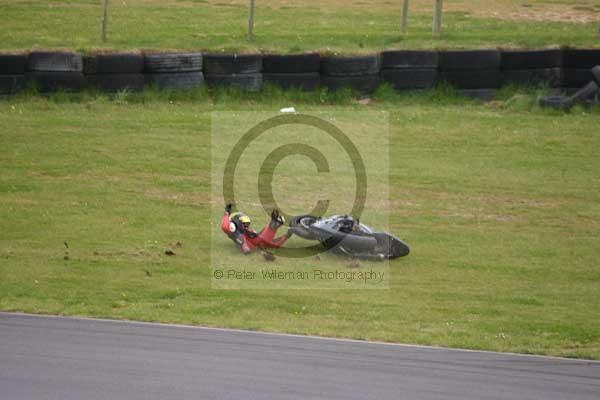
241, 218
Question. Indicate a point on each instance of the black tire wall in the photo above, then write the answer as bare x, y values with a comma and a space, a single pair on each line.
476, 72
409, 70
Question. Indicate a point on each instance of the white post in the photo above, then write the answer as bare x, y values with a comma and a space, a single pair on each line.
404, 16
437, 18
251, 21
104, 21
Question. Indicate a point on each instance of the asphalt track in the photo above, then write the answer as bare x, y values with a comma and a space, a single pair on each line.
66, 358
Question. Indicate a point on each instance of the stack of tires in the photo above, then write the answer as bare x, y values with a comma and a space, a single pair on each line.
534, 67
12, 73
242, 71
577, 67
588, 94
174, 70
409, 70
474, 73
300, 71
54, 71
115, 72
359, 73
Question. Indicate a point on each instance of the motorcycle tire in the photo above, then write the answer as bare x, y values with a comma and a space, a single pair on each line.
300, 226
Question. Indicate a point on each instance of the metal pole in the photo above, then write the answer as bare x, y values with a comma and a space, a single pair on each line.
251, 22
104, 21
437, 19
404, 16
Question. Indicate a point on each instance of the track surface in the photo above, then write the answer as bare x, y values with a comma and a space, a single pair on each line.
65, 358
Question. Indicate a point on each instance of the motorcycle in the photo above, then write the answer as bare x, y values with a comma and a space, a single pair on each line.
347, 236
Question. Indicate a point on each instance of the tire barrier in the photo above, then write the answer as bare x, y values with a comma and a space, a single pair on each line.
48, 61
409, 69
172, 63
115, 72
55, 71
12, 64
359, 73
248, 82
179, 71
11, 84
291, 64
531, 59
117, 63
242, 71
537, 67
468, 70
576, 77
178, 81
577, 66
117, 82
580, 58
587, 95
596, 74
551, 77
306, 81
300, 71
229, 64
350, 66
55, 81
475, 73
12, 73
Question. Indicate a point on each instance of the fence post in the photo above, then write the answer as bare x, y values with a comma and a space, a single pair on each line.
251, 21
404, 16
104, 21
437, 18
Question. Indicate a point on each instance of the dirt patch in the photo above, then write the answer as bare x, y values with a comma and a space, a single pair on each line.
582, 11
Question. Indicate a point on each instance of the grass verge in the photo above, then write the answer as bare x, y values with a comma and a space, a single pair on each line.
499, 201
329, 26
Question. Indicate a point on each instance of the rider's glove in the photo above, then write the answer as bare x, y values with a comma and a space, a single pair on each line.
228, 208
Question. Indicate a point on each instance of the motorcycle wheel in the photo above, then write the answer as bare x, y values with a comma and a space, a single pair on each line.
301, 224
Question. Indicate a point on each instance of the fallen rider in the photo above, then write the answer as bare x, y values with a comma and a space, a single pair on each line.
237, 227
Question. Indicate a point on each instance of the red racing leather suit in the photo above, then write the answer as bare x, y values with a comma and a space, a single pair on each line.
248, 240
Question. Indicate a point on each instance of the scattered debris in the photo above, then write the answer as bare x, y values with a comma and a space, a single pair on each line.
288, 110
148, 272
169, 252
66, 244
587, 95
353, 264
268, 256
365, 102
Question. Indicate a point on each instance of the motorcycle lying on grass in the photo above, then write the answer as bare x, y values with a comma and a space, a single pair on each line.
345, 235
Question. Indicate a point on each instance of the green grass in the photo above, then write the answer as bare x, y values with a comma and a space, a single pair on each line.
327, 27
500, 202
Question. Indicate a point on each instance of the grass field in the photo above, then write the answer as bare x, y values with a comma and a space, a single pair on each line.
293, 26
500, 202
